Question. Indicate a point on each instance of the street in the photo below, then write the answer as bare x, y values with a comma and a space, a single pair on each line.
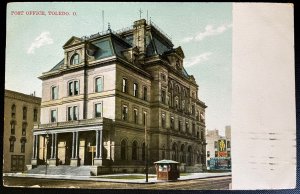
196, 184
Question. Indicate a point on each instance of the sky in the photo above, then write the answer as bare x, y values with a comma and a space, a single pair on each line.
203, 30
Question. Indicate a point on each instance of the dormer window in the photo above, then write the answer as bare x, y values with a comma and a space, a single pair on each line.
75, 59
163, 77
178, 65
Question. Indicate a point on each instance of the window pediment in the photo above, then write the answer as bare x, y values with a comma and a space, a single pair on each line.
72, 41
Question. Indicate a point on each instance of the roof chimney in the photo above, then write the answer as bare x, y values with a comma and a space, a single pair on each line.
139, 36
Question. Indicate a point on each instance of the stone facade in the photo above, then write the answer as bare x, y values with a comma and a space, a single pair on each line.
21, 111
105, 90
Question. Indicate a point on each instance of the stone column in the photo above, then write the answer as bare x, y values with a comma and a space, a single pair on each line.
100, 145
73, 144
74, 160
52, 145
97, 143
55, 146
76, 144
98, 157
33, 147
34, 160
53, 159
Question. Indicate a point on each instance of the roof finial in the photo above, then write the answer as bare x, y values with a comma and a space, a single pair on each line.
140, 13
109, 30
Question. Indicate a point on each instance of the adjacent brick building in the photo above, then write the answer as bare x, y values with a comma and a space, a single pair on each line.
21, 111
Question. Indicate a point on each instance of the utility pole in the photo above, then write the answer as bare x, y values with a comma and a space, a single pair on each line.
146, 149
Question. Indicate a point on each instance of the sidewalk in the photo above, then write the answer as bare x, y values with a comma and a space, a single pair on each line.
105, 178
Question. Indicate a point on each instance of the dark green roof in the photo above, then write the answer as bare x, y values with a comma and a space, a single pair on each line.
58, 65
107, 46
185, 73
112, 44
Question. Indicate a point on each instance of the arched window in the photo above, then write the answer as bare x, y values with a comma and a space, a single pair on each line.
171, 122
12, 127
170, 86
163, 77
175, 152
24, 113
135, 116
163, 96
177, 89
145, 93
190, 155
178, 65
182, 159
24, 126
99, 84
193, 129
202, 117
163, 120
179, 125
98, 110
184, 92
12, 140
176, 102
124, 85
135, 90
193, 109
144, 118
23, 142
54, 92
75, 59
13, 111
187, 126
123, 149
73, 88
35, 115
134, 150
124, 113
193, 95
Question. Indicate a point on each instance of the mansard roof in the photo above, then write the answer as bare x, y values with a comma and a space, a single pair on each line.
107, 46
58, 65
109, 43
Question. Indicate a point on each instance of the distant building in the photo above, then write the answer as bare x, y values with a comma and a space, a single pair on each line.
218, 147
97, 100
21, 111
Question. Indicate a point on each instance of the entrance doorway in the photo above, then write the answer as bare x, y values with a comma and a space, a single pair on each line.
17, 163
64, 149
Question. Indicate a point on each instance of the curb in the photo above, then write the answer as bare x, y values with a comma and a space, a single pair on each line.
87, 178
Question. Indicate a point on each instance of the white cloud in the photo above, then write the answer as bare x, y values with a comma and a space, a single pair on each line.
197, 59
43, 39
209, 30
187, 39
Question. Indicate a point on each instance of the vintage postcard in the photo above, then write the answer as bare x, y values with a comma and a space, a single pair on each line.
149, 96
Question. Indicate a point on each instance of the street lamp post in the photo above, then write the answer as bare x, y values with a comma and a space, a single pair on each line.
47, 141
146, 149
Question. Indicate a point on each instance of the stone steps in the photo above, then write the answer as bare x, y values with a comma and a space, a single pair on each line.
61, 170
